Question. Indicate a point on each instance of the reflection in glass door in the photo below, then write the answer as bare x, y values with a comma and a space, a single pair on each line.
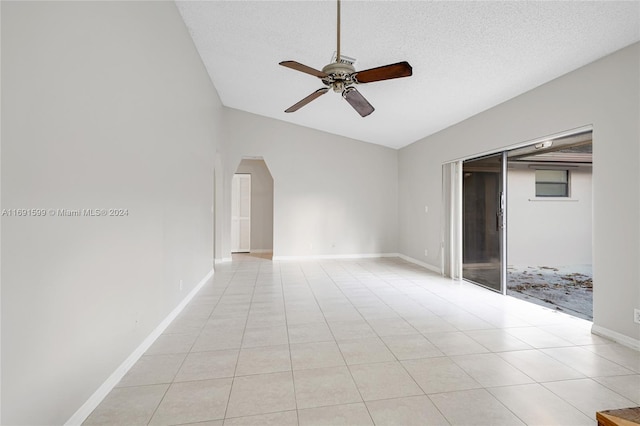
483, 221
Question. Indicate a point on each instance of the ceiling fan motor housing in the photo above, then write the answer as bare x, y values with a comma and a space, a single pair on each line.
338, 76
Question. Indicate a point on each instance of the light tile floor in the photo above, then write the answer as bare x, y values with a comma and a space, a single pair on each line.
363, 342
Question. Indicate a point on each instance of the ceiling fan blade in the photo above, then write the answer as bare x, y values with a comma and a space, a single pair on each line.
303, 68
314, 95
357, 101
386, 72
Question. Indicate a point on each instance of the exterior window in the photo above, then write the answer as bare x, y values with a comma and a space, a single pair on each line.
552, 183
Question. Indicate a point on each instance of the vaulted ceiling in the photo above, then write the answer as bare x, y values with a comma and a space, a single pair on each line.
467, 56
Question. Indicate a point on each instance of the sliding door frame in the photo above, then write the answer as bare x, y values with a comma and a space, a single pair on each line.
452, 213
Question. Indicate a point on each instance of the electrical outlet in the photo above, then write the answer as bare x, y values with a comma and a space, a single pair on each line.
426, 209
636, 316
426, 252
181, 285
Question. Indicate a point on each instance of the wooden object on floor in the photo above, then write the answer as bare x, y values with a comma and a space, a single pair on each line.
622, 417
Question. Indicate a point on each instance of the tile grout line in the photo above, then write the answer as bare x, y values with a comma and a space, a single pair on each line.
335, 341
400, 361
286, 323
340, 349
226, 408
187, 353
450, 357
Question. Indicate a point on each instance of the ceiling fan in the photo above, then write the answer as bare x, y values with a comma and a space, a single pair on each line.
341, 76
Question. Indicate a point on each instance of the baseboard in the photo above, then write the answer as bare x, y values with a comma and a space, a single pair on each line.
222, 260
261, 251
361, 256
337, 256
616, 337
419, 263
94, 400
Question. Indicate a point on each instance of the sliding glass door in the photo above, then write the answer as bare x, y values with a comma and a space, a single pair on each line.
483, 182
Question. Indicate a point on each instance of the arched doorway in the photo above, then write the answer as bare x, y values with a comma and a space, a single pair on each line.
260, 210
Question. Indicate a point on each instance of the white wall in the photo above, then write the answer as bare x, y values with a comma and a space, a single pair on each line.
548, 231
104, 105
603, 94
261, 204
332, 195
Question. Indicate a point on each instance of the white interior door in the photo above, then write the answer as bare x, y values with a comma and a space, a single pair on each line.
241, 213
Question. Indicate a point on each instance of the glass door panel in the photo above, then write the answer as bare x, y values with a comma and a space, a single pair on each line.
483, 221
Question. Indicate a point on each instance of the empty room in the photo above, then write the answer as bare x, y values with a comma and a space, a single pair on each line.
309, 212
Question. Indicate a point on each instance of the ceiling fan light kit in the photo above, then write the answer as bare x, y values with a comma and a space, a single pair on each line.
341, 76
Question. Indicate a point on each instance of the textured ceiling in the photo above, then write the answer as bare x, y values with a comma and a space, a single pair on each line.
467, 56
